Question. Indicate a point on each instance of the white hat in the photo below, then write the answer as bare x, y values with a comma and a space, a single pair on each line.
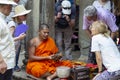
11, 2
20, 10
66, 7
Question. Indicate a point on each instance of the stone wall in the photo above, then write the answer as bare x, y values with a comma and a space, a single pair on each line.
43, 12
84, 41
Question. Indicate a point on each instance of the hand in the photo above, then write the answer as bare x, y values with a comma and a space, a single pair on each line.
59, 15
51, 57
57, 57
67, 18
21, 36
96, 76
3, 67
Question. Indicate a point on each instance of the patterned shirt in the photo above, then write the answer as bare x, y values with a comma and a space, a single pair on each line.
7, 48
103, 15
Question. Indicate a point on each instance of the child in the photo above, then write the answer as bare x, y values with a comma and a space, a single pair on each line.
106, 52
20, 30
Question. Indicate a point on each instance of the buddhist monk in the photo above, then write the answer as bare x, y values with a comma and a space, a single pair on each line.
42, 55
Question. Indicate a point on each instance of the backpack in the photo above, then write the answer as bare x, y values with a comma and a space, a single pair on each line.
62, 23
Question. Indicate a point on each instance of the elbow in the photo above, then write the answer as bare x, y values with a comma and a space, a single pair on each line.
99, 59
30, 58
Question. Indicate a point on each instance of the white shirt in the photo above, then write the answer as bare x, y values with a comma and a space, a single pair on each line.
106, 6
7, 47
11, 24
109, 51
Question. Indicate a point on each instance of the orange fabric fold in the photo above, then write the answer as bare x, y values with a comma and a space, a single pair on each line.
39, 68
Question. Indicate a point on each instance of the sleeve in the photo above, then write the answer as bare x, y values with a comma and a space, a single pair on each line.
95, 45
57, 8
11, 24
110, 21
85, 23
73, 11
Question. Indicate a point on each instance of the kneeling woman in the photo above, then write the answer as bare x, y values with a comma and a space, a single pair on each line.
106, 52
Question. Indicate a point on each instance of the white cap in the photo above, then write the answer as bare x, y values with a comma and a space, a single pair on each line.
66, 7
10, 2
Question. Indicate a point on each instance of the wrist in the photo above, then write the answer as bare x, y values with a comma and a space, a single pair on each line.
68, 20
99, 71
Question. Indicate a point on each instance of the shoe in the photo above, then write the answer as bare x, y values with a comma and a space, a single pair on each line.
17, 69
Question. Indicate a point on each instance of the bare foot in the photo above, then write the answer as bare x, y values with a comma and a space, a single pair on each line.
49, 78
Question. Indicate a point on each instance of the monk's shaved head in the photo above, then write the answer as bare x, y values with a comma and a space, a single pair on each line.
43, 26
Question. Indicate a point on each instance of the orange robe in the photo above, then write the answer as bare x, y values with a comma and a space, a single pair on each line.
39, 68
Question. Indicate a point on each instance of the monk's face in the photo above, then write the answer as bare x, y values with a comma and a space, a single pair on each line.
44, 33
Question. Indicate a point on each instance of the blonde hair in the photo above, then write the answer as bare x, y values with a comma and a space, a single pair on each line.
101, 27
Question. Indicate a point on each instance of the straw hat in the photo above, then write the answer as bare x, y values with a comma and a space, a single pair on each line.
11, 2
20, 10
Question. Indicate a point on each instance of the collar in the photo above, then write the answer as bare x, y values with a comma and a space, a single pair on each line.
2, 15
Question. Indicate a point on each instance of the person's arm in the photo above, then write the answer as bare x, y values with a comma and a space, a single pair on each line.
113, 34
95, 47
99, 61
12, 28
116, 12
72, 23
31, 50
88, 33
3, 65
72, 17
59, 15
110, 21
86, 26
20, 37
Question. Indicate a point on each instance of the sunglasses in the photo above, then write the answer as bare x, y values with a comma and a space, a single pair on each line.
66, 7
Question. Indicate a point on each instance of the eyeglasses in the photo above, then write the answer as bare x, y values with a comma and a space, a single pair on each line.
66, 7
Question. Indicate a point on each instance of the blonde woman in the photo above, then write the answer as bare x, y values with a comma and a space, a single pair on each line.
106, 52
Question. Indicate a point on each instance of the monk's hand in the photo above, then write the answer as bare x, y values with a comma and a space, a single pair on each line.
57, 57
3, 67
52, 56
